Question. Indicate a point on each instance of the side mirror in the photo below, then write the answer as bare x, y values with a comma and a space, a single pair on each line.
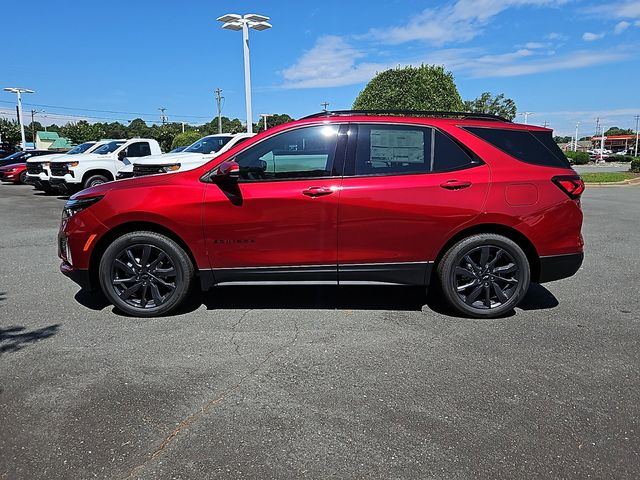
228, 170
122, 155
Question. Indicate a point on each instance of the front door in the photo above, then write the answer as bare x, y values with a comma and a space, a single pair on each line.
405, 189
279, 222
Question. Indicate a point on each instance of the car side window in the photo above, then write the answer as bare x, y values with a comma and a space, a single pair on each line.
306, 152
406, 149
138, 149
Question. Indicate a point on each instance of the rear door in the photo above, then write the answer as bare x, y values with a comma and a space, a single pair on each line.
405, 189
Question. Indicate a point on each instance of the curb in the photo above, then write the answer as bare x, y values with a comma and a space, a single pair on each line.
629, 182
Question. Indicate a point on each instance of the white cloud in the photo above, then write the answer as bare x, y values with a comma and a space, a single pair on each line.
590, 37
621, 27
534, 45
556, 36
330, 63
460, 21
625, 9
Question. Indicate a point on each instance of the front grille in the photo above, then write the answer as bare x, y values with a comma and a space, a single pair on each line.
142, 170
122, 175
59, 170
34, 168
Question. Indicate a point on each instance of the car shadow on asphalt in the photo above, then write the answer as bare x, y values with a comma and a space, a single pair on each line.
311, 297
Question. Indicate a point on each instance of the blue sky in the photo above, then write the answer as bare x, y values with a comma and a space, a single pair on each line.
567, 61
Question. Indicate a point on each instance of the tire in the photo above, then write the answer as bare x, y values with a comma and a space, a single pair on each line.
477, 284
23, 178
94, 180
141, 290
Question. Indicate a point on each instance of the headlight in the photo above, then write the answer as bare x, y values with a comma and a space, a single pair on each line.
73, 164
74, 206
171, 168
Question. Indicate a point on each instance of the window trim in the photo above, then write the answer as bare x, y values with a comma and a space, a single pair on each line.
338, 157
350, 160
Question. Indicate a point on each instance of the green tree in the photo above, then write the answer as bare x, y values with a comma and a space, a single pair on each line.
185, 139
427, 87
10, 132
272, 121
487, 103
138, 128
79, 132
619, 131
30, 129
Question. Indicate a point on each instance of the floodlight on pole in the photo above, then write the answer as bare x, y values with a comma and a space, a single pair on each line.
236, 22
637, 118
265, 116
526, 116
19, 91
575, 142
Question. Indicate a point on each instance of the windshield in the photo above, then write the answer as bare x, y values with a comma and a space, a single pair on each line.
13, 155
207, 145
83, 147
108, 147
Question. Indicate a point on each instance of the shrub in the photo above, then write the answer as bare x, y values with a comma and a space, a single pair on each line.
185, 139
635, 165
577, 158
619, 158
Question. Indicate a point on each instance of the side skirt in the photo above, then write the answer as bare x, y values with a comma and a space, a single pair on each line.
405, 273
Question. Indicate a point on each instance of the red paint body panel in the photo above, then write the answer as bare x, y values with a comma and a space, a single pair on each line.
11, 173
375, 219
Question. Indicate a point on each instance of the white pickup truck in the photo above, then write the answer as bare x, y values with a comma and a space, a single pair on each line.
196, 154
100, 166
38, 167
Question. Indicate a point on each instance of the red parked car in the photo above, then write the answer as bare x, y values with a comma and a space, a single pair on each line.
472, 202
15, 173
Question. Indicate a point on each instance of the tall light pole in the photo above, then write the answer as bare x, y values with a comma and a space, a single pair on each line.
163, 116
602, 138
233, 21
265, 116
526, 116
219, 99
19, 91
575, 143
637, 118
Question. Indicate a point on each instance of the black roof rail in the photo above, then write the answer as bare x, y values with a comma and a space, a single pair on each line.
410, 113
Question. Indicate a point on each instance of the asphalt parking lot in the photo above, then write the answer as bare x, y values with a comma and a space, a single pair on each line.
311, 382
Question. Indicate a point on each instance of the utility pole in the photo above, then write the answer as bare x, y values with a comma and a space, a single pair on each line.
575, 143
264, 116
33, 128
182, 127
546, 124
526, 116
324, 106
219, 99
637, 118
163, 117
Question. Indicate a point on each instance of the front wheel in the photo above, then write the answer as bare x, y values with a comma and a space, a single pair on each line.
484, 276
145, 274
94, 180
23, 177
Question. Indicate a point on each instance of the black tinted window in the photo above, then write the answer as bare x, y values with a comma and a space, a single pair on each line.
448, 155
530, 147
140, 149
302, 153
399, 149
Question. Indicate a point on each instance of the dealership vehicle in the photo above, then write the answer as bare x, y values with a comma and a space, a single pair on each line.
99, 166
38, 168
472, 203
14, 173
22, 156
196, 154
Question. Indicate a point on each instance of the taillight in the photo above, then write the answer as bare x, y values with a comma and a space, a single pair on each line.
572, 185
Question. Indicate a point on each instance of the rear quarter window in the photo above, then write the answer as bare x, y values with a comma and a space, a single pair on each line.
537, 148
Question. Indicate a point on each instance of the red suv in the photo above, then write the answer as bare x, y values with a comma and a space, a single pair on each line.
472, 202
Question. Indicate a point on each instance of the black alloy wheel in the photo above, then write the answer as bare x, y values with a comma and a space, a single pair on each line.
484, 276
487, 277
145, 274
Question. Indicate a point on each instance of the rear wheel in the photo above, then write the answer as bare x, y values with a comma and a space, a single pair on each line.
484, 276
94, 180
145, 274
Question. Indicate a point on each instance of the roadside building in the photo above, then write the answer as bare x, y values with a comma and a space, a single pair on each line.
615, 143
583, 146
52, 141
